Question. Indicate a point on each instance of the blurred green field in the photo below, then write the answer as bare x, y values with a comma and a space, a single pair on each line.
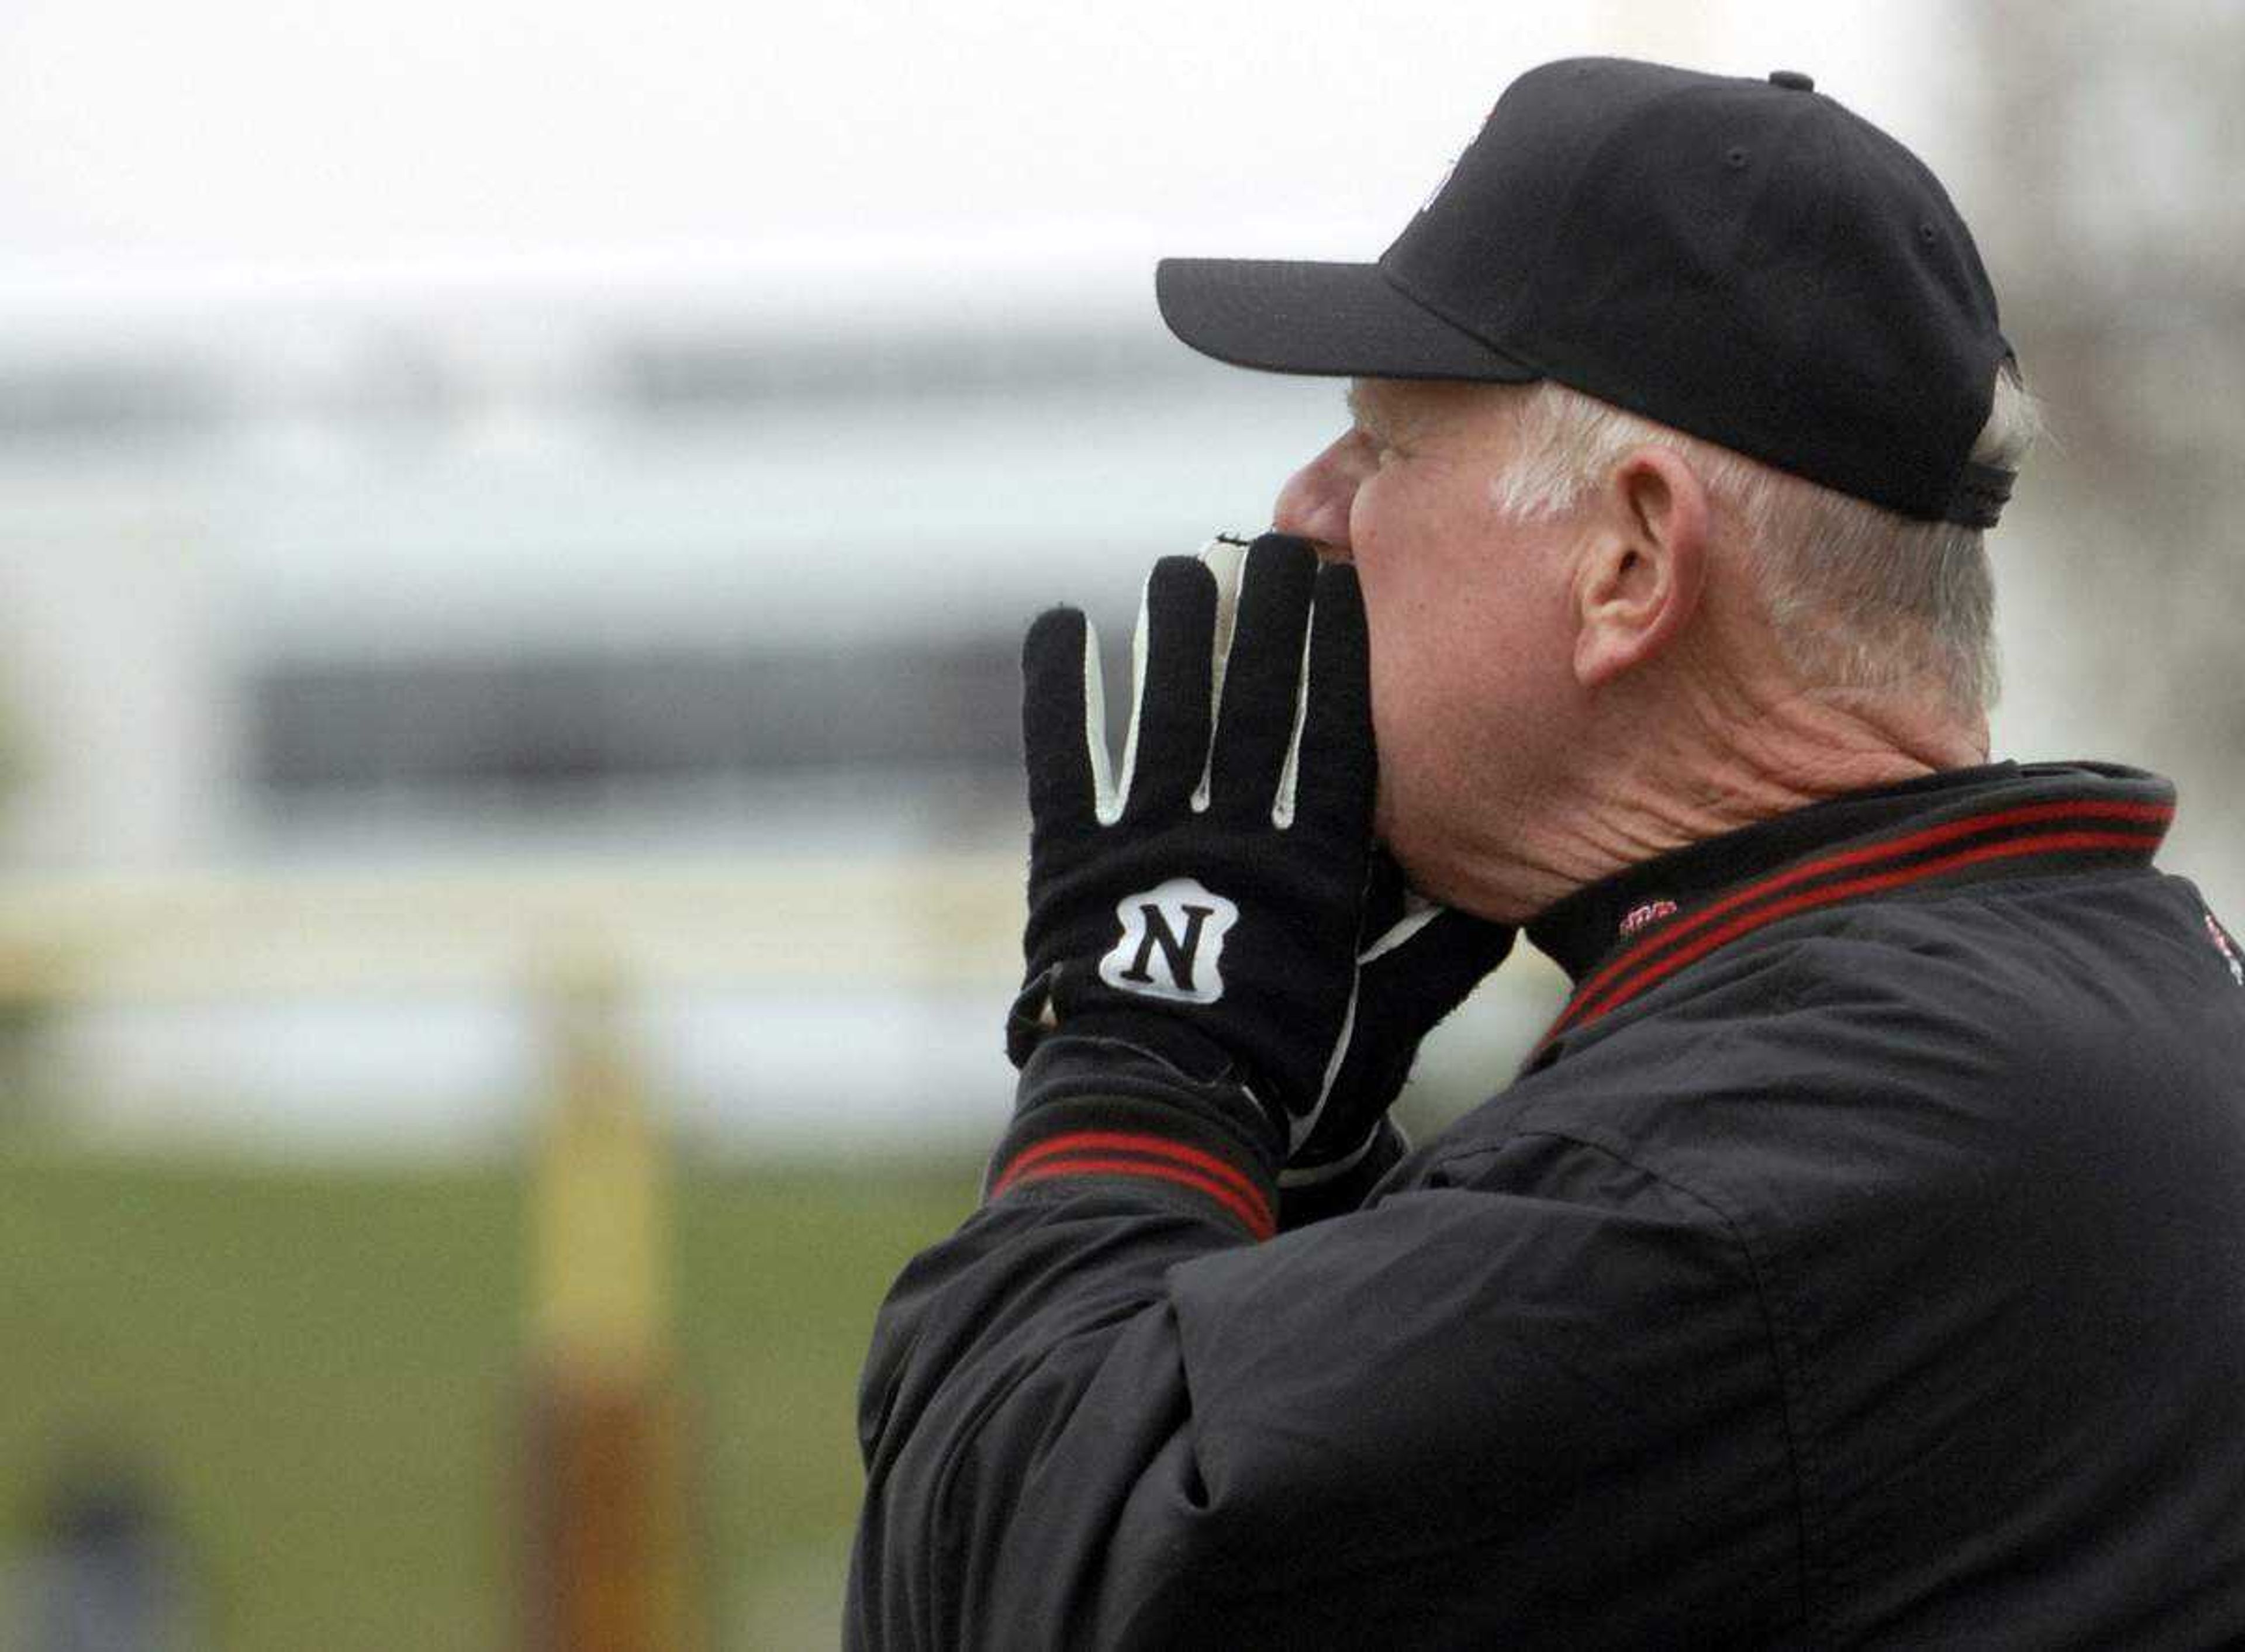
323, 1370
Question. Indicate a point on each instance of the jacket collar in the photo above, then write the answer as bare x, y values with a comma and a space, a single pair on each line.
1626, 933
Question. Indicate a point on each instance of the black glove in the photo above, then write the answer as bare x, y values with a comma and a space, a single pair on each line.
1418, 962
1200, 914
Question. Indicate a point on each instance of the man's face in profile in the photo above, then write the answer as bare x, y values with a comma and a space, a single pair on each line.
1469, 640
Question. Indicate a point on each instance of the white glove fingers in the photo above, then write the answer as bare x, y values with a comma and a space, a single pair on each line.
1418, 912
1290, 772
1301, 1124
1174, 655
1257, 722
1226, 560
1115, 789
1334, 747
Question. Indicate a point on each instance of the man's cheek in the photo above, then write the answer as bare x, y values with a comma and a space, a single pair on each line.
1401, 825
1383, 804
1389, 738
1399, 798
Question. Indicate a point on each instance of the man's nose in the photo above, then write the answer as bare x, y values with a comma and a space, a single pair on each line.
1315, 501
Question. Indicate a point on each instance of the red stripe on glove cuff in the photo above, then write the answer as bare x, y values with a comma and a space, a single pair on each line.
1110, 1152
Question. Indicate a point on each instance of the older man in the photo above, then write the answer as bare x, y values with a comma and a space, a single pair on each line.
1860, 1257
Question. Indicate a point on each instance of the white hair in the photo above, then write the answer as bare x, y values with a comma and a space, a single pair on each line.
1860, 598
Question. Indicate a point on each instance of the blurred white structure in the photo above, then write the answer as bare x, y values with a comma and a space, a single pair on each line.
363, 647
220, 511
115, 696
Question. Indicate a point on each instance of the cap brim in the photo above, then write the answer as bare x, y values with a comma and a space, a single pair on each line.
1337, 321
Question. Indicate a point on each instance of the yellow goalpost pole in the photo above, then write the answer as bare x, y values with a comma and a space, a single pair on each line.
608, 1550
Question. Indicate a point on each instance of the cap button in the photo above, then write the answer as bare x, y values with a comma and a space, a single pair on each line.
1792, 80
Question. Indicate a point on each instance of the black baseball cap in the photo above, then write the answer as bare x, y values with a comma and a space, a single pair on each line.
1744, 260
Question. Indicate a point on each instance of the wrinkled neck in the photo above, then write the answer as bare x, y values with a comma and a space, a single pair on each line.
1680, 755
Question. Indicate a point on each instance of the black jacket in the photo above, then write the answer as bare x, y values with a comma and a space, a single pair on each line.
1861, 1261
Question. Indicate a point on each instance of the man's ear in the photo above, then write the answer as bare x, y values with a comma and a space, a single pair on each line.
1639, 574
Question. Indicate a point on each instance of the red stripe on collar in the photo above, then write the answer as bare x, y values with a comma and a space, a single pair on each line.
1673, 946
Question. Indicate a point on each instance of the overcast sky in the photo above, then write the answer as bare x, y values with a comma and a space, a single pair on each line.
146, 143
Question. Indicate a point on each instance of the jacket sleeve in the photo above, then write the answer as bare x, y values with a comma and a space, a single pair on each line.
1463, 1412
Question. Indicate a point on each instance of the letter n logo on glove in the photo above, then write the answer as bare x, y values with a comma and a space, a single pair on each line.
1172, 938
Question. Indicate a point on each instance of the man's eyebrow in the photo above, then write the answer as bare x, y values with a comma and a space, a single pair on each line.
1363, 399
1389, 411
